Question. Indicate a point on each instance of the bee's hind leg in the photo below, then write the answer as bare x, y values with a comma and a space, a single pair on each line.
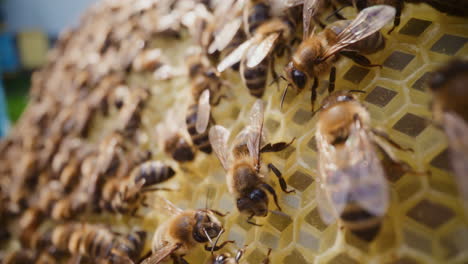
279, 175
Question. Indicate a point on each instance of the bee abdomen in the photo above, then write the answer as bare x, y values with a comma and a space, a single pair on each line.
259, 14
256, 77
201, 141
361, 223
154, 172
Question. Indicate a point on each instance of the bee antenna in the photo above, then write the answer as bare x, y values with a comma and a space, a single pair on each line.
207, 236
335, 13
216, 241
284, 95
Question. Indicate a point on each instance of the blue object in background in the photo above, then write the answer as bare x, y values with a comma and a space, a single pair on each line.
4, 123
9, 61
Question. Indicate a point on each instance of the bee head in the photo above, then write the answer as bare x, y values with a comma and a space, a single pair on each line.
207, 226
295, 76
256, 203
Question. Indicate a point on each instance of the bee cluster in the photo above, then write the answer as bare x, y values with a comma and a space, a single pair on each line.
127, 136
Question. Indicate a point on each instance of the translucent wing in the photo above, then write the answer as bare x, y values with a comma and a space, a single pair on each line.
368, 21
162, 254
309, 11
457, 133
324, 206
260, 51
224, 37
256, 126
219, 136
203, 111
235, 56
292, 3
354, 174
164, 205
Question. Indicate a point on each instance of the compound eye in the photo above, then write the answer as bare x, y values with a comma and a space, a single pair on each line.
257, 195
299, 78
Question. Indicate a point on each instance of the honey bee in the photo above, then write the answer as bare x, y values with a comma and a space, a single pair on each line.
451, 7
126, 195
226, 258
94, 241
352, 183
447, 86
206, 86
130, 112
273, 35
19, 257
317, 53
172, 135
179, 234
244, 179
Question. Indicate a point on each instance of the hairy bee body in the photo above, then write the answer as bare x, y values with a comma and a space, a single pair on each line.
201, 141
258, 13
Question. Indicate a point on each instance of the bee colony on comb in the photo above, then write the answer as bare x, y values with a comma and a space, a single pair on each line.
203, 132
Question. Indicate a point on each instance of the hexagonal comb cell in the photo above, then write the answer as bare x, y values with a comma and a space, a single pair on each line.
420, 84
256, 256
454, 242
356, 74
404, 260
380, 96
417, 241
398, 60
442, 160
312, 144
309, 240
302, 116
313, 218
449, 44
272, 125
411, 125
300, 181
279, 220
269, 240
342, 258
415, 27
431, 214
296, 257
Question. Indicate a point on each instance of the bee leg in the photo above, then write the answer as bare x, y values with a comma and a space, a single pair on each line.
274, 75
267, 258
218, 213
313, 95
282, 182
249, 220
396, 21
216, 248
336, 12
276, 147
358, 58
387, 138
331, 82
273, 193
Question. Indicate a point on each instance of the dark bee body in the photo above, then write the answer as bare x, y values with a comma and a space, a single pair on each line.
152, 172
256, 78
200, 141
179, 149
258, 13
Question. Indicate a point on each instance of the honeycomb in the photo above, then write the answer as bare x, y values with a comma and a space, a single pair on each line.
425, 222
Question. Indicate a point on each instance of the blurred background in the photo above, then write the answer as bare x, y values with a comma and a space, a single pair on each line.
28, 28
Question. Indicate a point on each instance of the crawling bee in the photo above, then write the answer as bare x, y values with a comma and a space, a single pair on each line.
318, 52
451, 7
271, 36
126, 195
352, 183
449, 108
94, 241
206, 85
179, 234
173, 137
131, 107
244, 179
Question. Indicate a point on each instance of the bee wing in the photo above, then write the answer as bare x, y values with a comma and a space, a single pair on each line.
368, 21
219, 136
166, 206
160, 255
292, 3
354, 173
203, 112
258, 53
308, 12
224, 37
324, 206
456, 130
235, 56
256, 126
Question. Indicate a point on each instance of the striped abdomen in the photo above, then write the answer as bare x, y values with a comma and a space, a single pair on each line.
201, 141
360, 222
128, 247
153, 172
258, 14
255, 78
